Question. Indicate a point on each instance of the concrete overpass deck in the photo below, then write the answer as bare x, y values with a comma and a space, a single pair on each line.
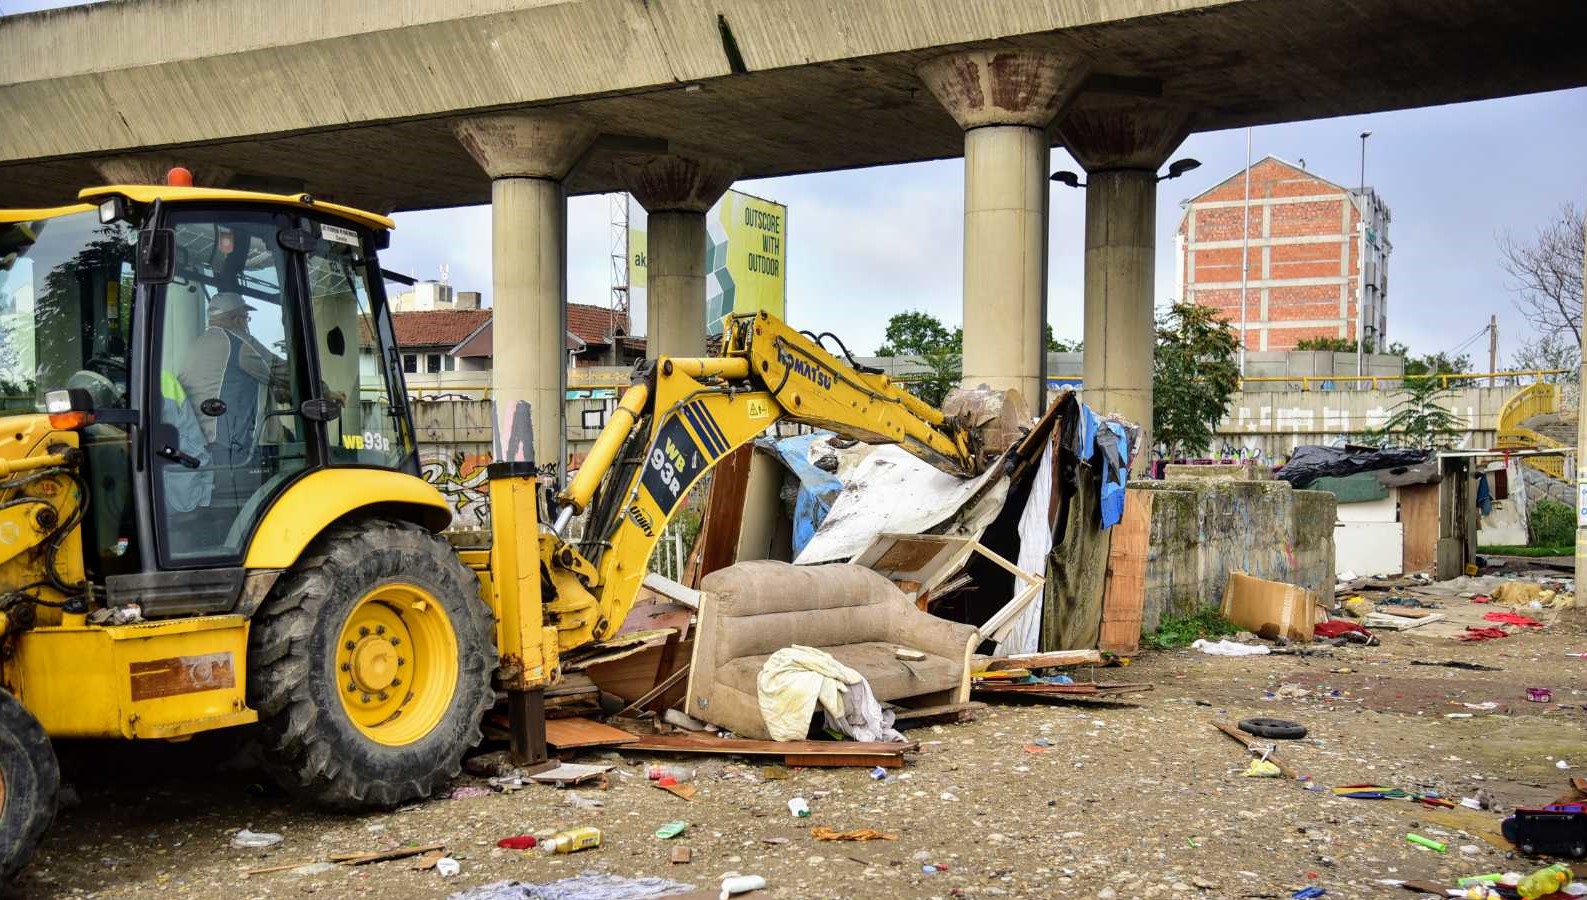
357, 101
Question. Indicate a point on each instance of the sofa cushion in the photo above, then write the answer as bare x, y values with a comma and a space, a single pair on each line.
890, 677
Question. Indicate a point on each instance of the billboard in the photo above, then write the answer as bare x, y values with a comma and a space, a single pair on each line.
746, 258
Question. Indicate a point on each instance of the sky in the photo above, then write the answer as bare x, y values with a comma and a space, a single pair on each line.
865, 244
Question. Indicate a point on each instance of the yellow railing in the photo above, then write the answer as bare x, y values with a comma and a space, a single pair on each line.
1539, 399
1377, 382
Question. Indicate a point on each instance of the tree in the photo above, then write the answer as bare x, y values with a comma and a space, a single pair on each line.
1439, 363
921, 335
1420, 420
1194, 372
1550, 350
1336, 344
916, 333
1058, 345
1546, 273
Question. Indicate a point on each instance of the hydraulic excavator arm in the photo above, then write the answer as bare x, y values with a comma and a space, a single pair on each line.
680, 417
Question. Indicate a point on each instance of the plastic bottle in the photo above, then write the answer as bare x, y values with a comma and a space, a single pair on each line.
799, 807
739, 884
678, 774
573, 840
1544, 882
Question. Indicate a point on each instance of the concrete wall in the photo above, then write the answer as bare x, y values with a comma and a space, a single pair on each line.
1203, 529
1269, 425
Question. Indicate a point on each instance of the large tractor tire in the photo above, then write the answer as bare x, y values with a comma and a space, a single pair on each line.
30, 781
370, 664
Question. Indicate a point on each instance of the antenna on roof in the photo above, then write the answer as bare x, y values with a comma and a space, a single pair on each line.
446, 274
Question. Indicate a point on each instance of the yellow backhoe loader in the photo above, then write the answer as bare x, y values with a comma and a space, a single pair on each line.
211, 514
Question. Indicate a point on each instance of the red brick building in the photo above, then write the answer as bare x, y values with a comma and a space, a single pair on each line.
1316, 256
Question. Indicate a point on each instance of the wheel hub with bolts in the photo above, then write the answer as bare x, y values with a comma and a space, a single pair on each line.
395, 662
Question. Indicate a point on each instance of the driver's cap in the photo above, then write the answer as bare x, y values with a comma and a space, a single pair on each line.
226, 302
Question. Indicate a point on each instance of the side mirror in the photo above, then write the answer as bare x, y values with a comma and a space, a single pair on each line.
156, 255
321, 410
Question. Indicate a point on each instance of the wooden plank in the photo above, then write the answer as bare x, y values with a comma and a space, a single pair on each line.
1419, 521
1249, 742
634, 676
694, 743
954, 712
1055, 660
724, 513
833, 760
1404, 612
1124, 597
568, 734
991, 688
659, 690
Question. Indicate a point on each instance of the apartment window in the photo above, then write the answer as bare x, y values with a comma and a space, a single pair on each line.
432, 363
410, 363
595, 418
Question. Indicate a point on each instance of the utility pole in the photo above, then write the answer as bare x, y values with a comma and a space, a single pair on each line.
1579, 613
1493, 349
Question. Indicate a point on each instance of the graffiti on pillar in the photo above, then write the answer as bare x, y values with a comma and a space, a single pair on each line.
461, 479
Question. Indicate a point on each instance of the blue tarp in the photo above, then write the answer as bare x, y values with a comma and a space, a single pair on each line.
817, 488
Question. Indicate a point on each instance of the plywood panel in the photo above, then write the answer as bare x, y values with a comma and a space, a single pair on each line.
1419, 516
1125, 596
567, 734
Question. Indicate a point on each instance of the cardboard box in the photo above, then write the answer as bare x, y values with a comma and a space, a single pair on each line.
1270, 609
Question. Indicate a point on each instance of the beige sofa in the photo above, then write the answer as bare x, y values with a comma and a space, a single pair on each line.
750, 610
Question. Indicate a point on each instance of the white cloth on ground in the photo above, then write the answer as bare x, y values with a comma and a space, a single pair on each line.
865, 719
1227, 647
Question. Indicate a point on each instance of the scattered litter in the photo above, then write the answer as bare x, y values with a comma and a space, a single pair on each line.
1429, 843
776, 773
799, 808
679, 774
1273, 729
446, 867
1261, 768
1308, 893
741, 884
878, 774
681, 855
573, 840
517, 842
254, 840
1561, 764
570, 773
1457, 664
580, 802
469, 792
821, 833
672, 829
315, 868
686, 791
1509, 618
1226, 647
1540, 695
589, 886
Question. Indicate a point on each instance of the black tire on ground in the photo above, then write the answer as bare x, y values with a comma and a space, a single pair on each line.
1273, 729
311, 744
30, 781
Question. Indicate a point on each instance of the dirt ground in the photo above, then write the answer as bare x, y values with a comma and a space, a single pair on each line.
1141, 799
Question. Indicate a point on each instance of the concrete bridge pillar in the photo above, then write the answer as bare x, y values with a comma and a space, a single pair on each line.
1004, 100
527, 157
676, 192
1121, 146
153, 169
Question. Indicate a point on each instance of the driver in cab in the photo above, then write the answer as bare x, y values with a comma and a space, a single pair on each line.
228, 364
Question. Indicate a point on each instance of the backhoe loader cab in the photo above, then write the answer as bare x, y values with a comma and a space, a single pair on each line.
210, 509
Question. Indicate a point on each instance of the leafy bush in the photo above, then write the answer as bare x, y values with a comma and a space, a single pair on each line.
1553, 524
1182, 631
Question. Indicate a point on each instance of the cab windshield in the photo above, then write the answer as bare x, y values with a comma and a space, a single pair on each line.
65, 309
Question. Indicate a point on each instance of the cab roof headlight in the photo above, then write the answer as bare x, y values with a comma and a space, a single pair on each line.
69, 409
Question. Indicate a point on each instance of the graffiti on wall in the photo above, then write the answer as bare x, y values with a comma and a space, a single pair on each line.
461, 478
